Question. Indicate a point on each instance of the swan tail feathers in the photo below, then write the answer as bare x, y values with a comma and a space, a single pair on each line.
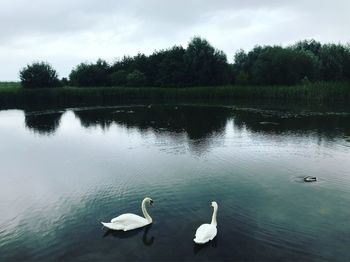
113, 226
199, 241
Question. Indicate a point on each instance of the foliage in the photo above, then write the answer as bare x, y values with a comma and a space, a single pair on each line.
90, 74
171, 68
205, 64
277, 65
200, 64
136, 78
242, 78
333, 58
64, 81
306, 60
308, 45
118, 78
39, 75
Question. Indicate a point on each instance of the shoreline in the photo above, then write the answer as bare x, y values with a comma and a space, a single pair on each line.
13, 96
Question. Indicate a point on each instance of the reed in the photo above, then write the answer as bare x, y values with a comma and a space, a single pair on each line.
13, 96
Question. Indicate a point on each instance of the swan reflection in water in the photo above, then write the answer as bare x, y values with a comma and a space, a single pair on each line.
210, 244
126, 234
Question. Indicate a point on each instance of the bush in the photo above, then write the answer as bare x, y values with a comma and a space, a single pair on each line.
136, 78
39, 75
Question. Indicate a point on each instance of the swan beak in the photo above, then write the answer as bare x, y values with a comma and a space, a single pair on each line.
151, 203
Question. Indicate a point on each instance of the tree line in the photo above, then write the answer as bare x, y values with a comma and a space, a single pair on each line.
200, 64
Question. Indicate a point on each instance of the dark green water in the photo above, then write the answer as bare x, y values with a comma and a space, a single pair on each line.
62, 172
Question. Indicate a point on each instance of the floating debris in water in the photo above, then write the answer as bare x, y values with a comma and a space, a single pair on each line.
310, 179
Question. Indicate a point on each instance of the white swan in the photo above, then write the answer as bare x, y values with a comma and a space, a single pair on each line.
129, 221
207, 232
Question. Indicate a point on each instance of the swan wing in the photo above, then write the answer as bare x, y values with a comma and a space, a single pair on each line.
128, 218
113, 226
205, 233
126, 222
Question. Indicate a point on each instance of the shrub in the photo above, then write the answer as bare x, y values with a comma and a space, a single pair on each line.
39, 75
136, 78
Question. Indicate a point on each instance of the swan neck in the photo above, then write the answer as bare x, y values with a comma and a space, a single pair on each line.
144, 211
213, 219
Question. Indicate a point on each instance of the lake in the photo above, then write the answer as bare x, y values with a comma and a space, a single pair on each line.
64, 171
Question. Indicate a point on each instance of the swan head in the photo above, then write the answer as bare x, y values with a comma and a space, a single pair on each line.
149, 201
214, 204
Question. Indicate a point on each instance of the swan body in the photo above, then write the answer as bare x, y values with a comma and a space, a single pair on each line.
129, 221
207, 232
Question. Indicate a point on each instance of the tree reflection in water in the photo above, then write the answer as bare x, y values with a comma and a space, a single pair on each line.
199, 123
43, 123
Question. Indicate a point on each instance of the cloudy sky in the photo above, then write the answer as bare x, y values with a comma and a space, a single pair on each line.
67, 32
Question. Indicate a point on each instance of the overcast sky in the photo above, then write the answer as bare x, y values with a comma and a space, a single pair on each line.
67, 32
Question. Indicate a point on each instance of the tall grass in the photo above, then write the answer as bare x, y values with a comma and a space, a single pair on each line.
13, 96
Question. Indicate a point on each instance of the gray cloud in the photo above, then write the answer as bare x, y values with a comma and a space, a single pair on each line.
67, 32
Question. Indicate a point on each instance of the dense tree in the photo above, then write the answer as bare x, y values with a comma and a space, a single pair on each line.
241, 68
309, 45
136, 78
171, 69
271, 65
277, 65
347, 63
90, 74
199, 64
202, 64
39, 75
205, 65
118, 78
333, 60
64, 81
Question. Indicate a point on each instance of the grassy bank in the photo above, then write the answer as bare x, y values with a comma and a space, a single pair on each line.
13, 96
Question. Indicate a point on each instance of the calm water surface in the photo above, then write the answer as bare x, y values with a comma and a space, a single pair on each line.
64, 171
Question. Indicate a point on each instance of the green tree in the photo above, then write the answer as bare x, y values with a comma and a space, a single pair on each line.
333, 58
91, 74
136, 78
205, 65
171, 69
277, 65
39, 75
309, 45
118, 78
347, 63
